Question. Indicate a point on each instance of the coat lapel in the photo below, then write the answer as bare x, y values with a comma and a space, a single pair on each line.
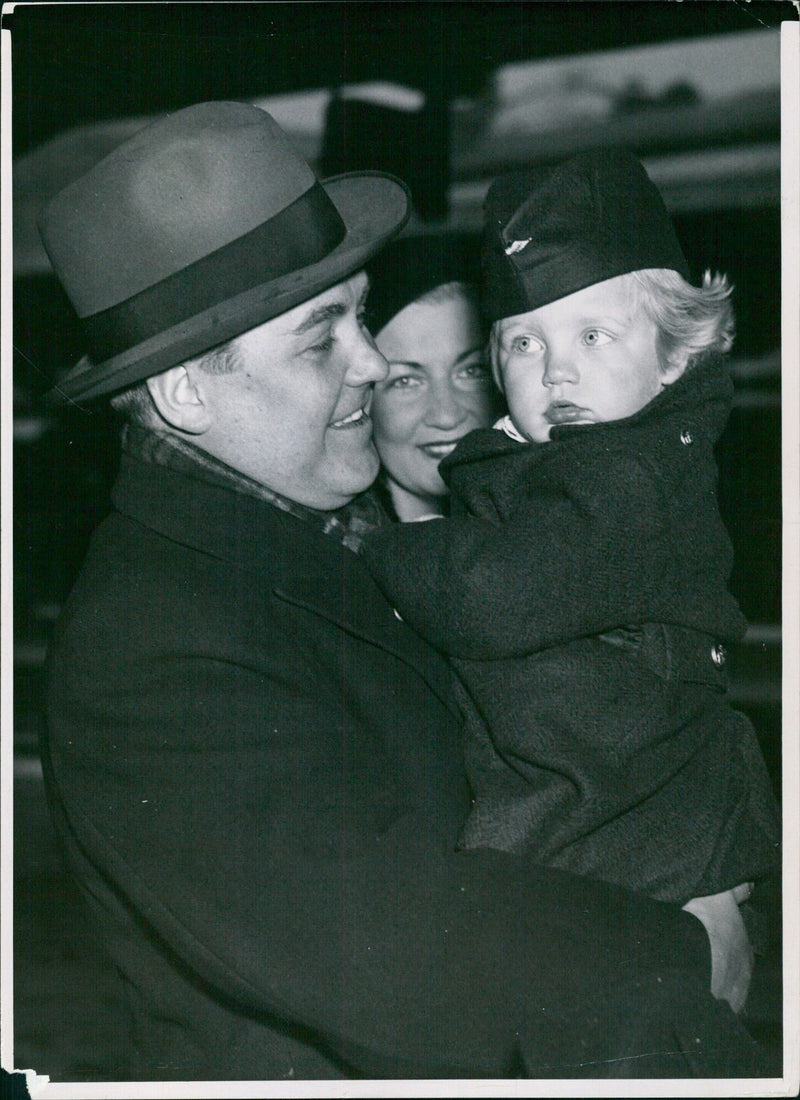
301, 565
335, 584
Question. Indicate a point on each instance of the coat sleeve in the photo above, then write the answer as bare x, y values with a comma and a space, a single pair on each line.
578, 560
257, 829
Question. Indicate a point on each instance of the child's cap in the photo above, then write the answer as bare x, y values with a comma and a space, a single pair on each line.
553, 230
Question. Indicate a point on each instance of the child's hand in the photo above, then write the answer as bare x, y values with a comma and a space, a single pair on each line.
731, 954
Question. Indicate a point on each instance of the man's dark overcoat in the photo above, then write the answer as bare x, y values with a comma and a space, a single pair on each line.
254, 768
581, 589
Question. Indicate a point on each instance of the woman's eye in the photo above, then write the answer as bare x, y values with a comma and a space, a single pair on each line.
403, 382
595, 337
475, 374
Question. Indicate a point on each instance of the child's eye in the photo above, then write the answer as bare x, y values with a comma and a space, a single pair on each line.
525, 344
595, 337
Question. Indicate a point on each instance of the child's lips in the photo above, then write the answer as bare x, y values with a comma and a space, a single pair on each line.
564, 412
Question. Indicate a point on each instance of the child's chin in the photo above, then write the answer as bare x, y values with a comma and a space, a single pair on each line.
538, 433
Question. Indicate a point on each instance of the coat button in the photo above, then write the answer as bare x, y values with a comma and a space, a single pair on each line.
686, 437
718, 655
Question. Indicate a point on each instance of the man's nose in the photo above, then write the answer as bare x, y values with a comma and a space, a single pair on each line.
366, 364
443, 410
559, 367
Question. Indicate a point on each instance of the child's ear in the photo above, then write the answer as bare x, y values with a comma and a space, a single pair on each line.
674, 366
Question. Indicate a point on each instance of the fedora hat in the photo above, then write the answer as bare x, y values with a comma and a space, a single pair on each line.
203, 225
552, 230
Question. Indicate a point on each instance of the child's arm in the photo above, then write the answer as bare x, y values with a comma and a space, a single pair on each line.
582, 558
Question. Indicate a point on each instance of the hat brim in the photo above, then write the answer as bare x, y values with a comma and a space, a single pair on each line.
374, 207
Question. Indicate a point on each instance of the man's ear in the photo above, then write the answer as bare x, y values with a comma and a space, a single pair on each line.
178, 395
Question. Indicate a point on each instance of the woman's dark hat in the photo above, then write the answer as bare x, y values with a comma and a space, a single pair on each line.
203, 225
551, 231
410, 267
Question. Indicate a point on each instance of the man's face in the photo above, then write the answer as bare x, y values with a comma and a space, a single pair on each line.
295, 415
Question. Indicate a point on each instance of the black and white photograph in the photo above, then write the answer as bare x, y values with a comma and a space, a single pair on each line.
401, 496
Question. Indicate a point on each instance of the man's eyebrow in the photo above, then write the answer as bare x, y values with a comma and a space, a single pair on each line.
319, 316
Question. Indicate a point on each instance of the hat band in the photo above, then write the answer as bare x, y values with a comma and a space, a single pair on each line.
300, 235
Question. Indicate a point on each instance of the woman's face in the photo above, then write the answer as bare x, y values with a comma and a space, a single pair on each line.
436, 391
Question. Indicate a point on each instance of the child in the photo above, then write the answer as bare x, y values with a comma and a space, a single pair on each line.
580, 583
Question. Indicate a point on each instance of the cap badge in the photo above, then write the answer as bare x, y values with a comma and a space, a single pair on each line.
516, 246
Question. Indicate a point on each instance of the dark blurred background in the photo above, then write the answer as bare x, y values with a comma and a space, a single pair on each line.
445, 95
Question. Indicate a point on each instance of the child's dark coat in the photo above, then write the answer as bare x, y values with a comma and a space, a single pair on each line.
580, 588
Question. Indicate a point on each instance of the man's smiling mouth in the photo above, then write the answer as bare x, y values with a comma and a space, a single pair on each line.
355, 419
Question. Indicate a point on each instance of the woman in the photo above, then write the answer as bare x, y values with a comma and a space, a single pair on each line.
423, 311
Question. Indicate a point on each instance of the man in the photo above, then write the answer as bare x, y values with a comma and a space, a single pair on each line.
253, 764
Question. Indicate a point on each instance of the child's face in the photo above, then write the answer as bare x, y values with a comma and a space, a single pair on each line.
584, 359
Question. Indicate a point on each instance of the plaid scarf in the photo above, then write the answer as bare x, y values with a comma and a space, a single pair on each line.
348, 525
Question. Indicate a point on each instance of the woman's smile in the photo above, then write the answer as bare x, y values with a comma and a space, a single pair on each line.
439, 449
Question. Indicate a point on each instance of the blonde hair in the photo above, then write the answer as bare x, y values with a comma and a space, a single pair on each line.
693, 321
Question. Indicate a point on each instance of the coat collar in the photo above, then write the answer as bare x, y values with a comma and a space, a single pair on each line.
338, 587
302, 565
699, 402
